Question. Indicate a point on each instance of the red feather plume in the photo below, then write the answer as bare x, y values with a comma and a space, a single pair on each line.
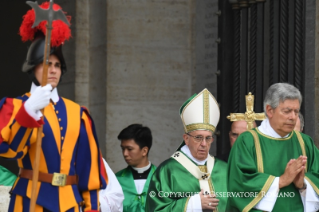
59, 33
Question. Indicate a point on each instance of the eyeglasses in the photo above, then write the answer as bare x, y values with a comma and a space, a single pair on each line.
200, 139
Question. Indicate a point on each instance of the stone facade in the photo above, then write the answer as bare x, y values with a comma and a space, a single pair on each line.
158, 53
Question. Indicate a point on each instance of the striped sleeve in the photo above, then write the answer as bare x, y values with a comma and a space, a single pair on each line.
16, 126
88, 164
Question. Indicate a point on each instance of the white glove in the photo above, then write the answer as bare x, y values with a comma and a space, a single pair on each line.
39, 99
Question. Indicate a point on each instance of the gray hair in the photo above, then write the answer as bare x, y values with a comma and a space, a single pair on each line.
280, 92
302, 121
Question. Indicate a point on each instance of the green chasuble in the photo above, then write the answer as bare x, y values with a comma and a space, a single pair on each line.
256, 159
132, 200
7, 178
172, 185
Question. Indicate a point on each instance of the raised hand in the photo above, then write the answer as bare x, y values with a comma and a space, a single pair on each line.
40, 98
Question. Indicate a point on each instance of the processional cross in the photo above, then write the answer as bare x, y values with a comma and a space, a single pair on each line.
48, 15
249, 116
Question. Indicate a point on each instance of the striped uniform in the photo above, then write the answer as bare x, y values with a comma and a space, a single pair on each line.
69, 146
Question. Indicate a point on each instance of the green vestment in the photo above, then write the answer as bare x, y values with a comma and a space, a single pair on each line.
133, 202
172, 185
256, 159
7, 178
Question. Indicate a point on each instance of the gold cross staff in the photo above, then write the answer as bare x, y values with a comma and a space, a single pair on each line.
249, 116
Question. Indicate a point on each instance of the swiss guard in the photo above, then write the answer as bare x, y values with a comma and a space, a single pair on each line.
191, 179
70, 174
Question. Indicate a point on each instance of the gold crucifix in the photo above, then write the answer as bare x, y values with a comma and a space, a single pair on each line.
249, 116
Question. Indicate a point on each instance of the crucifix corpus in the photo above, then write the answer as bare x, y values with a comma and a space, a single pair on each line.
249, 116
48, 15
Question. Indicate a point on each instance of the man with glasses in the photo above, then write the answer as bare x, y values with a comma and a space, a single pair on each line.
191, 179
274, 166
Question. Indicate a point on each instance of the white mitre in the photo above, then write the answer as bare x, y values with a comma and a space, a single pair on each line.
200, 112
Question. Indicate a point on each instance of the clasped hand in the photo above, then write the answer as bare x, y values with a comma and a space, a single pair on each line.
294, 173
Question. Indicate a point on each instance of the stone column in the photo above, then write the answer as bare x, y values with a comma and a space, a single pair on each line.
156, 59
90, 66
66, 86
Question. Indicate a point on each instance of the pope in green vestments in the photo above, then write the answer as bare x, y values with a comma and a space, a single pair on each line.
192, 180
133, 201
262, 160
172, 186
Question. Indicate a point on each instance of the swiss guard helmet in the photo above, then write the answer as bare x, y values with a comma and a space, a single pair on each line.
59, 34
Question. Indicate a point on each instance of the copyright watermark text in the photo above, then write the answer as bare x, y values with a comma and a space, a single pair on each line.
170, 194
